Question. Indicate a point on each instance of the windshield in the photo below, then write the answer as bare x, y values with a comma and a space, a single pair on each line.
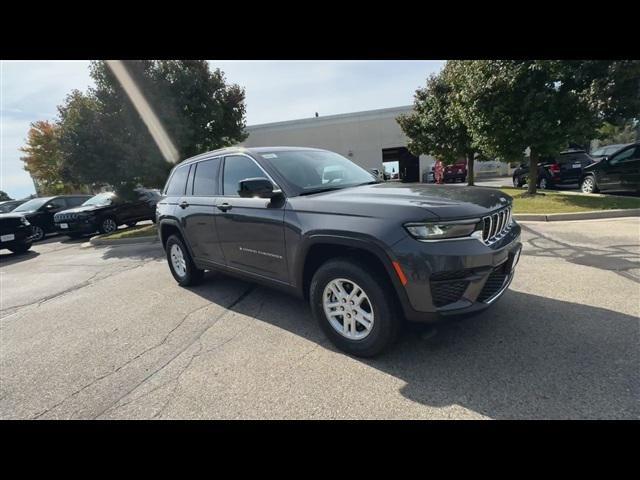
7, 207
311, 170
32, 204
101, 199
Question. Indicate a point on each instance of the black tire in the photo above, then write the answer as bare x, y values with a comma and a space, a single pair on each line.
192, 275
387, 321
107, 224
21, 248
517, 182
131, 224
38, 233
584, 184
464, 179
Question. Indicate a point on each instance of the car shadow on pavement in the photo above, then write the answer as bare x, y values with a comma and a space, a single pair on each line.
616, 258
7, 259
138, 252
528, 357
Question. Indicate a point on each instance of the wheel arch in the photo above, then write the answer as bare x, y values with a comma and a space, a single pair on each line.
321, 248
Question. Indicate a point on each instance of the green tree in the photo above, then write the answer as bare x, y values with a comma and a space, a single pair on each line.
106, 142
610, 133
509, 106
434, 128
43, 159
4, 197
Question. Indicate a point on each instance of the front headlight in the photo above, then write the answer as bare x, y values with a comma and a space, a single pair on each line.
444, 230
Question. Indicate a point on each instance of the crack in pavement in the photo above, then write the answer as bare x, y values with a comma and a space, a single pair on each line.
89, 282
227, 310
177, 378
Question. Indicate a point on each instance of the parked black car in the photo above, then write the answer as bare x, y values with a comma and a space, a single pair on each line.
618, 172
364, 252
9, 205
40, 211
564, 169
607, 150
106, 211
15, 233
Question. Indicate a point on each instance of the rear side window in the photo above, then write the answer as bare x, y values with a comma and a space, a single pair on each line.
206, 178
76, 201
177, 182
238, 168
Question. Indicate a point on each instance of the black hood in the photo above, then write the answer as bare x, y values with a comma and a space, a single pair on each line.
406, 201
82, 209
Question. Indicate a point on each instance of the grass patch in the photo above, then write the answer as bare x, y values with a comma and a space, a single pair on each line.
133, 232
558, 202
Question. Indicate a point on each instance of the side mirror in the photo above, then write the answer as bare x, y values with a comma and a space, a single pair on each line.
256, 187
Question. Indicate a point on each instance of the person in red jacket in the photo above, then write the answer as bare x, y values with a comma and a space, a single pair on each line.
438, 172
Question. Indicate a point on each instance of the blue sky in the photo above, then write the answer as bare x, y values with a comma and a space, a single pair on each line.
275, 91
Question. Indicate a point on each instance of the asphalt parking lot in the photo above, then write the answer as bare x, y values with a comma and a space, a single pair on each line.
106, 333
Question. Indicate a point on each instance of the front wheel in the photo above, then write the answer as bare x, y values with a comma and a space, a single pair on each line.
181, 264
517, 182
37, 233
21, 247
588, 185
353, 308
108, 225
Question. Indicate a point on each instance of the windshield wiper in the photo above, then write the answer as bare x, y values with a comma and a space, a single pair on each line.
319, 190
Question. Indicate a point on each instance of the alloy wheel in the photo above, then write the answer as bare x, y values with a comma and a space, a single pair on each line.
348, 309
109, 225
38, 233
587, 185
178, 261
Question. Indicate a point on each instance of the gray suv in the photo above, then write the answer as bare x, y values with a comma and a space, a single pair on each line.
366, 254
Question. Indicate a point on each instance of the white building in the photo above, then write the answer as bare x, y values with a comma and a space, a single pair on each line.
369, 138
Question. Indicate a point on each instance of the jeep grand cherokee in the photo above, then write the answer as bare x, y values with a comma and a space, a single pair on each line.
364, 253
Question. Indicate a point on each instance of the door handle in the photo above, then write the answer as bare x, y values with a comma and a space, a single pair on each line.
184, 204
224, 207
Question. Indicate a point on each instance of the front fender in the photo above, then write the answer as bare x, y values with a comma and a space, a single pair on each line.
347, 239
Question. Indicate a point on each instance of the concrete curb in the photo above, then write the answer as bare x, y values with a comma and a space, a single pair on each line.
99, 241
554, 217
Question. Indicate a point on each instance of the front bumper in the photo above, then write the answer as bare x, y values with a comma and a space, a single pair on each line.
455, 277
77, 227
21, 234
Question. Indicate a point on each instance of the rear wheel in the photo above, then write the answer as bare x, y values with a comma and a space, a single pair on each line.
543, 184
21, 247
350, 304
517, 182
588, 185
181, 264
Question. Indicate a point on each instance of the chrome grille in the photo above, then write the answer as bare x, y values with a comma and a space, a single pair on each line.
496, 225
63, 217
